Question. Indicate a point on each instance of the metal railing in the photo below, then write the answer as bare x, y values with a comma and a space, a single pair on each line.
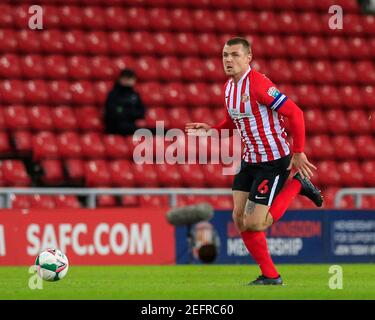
92, 193
357, 193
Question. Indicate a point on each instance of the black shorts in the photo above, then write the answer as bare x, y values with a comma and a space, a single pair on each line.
262, 180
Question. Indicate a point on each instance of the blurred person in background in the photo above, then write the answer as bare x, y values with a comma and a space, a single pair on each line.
123, 107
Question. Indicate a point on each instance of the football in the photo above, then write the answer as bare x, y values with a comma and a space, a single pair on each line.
52, 265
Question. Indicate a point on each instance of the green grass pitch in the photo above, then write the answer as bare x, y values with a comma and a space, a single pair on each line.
190, 282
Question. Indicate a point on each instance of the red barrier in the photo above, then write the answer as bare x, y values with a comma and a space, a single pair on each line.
88, 237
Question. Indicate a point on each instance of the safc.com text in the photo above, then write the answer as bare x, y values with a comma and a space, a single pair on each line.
117, 239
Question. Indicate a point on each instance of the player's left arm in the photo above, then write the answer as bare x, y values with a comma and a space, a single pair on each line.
268, 95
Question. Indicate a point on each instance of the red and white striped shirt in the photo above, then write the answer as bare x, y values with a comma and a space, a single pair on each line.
252, 106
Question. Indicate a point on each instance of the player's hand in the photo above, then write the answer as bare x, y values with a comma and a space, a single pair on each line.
302, 165
197, 128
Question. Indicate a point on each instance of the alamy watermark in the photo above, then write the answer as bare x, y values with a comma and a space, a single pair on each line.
336, 280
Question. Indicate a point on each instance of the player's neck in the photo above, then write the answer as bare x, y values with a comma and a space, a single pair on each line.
237, 77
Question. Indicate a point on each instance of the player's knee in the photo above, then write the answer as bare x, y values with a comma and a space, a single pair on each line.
256, 226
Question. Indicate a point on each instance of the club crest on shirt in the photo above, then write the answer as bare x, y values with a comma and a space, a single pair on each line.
245, 98
273, 92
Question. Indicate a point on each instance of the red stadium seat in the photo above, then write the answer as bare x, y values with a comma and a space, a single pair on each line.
119, 42
40, 118
20, 201
328, 174
203, 20
105, 200
197, 94
53, 172
181, 19
350, 97
6, 17
51, 41
51, 17
200, 112
5, 146
365, 72
273, 47
36, 92
101, 68
358, 122
359, 48
338, 121
96, 42
192, 175
350, 174
329, 97
338, 48
92, 146
75, 169
142, 43
121, 172
213, 49
82, 92
22, 142
321, 147
192, 69
353, 25
11, 91
130, 201
178, 117
145, 176
301, 71
153, 201
146, 69
368, 96
60, 91
16, 117
63, 118
368, 23
296, 47
8, 39
368, 170
288, 23
213, 176
45, 146
67, 201
154, 114
344, 72
116, 147
344, 147
164, 43
78, 68
159, 19
279, 71
151, 93
101, 89
168, 175
93, 18
174, 94
42, 202
186, 44
365, 146
170, 69
316, 47
137, 18
55, 67
215, 92
97, 174
74, 42
309, 22
247, 22
213, 70
69, 145
307, 96
89, 118
10, 66
115, 18
14, 173
267, 21
28, 41
323, 72
32, 66
71, 17
224, 21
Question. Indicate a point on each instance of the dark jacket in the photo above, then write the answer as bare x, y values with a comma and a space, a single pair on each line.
122, 108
